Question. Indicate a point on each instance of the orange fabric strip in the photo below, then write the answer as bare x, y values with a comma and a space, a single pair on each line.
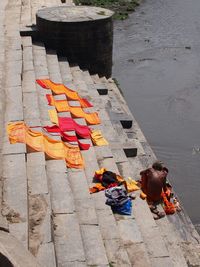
77, 112
58, 88
20, 133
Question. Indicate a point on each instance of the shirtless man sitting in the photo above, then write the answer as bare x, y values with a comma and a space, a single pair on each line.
153, 181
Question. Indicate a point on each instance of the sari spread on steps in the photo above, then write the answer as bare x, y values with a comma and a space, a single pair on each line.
66, 137
58, 88
68, 124
77, 112
20, 133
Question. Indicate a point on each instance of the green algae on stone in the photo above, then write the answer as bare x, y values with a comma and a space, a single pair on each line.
122, 8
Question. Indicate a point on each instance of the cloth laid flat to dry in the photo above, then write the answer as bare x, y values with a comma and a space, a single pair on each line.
65, 124
20, 133
98, 139
68, 124
63, 106
53, 116
66, 137
58, 88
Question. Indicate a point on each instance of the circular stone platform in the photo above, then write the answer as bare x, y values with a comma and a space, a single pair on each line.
82, 33
74, 13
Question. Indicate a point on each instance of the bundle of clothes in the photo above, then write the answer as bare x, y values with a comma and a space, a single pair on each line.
117, 190
118, 200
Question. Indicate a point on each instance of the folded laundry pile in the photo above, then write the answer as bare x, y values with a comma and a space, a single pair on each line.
106, 179
118, 200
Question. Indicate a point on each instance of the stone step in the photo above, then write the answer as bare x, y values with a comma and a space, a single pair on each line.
53, 67
69, 246
61, 194
84, 206
35, 5
15, 205
104, 214
124, 167
65, 70
106, 160
40, 237
90, 231
25, 19
115, 251
91, 166
41, 71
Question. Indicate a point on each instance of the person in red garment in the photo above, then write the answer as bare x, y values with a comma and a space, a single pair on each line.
153, 182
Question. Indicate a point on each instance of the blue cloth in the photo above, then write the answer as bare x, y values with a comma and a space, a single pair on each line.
125, 209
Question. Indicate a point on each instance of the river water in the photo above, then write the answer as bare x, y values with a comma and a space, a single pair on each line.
157, 64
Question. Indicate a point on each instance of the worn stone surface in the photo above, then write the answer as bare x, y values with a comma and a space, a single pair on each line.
138, 255
65, 70
92, 239
15, 181
46, 255
129, 232
86, 211
68, 242
30, 104
107, 224
17, 230
36, 173
61, 194
116, 253
39, 222
79, 185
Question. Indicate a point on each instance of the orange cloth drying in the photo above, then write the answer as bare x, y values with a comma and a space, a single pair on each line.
63, 106
20, 133
96, 188
58, 88
169, 207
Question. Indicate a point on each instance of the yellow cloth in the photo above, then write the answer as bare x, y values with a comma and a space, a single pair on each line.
20, 133
131, 185
98, 139
100, 171
53, 116
63, 106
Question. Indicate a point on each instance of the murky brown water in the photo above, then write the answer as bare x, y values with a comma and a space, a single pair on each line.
157, 63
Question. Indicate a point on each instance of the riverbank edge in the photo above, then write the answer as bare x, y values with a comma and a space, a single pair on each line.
122, 8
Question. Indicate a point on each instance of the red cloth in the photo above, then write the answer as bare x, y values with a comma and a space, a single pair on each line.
68, 124
66, 137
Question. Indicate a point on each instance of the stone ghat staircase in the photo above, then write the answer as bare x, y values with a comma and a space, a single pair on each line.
48, 208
